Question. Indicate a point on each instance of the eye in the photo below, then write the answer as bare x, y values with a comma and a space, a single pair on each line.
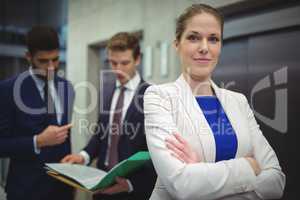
125, 63
213, 39
55, 59
193, 38
113, 63
43, 61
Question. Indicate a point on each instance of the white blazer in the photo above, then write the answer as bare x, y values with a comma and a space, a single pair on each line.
172, 108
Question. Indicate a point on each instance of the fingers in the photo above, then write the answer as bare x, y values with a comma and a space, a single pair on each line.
176, 152
179, 143
61, 137
62, 134
120, 186
72, 158
53, 135
175, 143
180, 139
64, 128
178, 157
111, 190
121, 181
66, 159
254, 164
181, 149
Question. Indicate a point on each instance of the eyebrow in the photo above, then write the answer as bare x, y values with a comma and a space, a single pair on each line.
56, 58
122, 61
195, 32
212, 34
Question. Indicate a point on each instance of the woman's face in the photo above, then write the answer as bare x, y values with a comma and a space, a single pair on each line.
199, 46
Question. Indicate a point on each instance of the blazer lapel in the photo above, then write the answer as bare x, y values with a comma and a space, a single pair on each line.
31, 102
132, 107
200, 125
35, 99
106, 104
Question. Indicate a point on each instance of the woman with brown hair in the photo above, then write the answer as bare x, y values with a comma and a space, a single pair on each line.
204, 140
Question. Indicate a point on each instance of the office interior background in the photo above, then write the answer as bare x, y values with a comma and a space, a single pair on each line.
260, 57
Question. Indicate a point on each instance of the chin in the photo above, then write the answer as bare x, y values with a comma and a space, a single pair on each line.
200, 77
122, 79
201, 73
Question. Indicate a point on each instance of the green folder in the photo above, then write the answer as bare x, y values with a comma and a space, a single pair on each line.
91, 179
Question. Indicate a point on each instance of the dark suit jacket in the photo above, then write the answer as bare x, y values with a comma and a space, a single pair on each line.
131, 141
26, 177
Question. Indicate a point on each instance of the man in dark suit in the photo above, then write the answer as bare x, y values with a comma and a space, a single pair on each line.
34, 121
121, 123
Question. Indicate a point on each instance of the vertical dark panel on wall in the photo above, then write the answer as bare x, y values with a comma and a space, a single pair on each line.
271, 54
266, 67
232, 67
261, 54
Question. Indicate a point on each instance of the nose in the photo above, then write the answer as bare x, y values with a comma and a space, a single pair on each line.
51, 64
119, 65
116, 66
50, 69
203, 46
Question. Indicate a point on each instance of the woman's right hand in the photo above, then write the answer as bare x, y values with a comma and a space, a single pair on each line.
181, 149
254, 164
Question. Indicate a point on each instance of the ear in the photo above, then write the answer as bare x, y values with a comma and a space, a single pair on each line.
138, 60
175, 44
28, 56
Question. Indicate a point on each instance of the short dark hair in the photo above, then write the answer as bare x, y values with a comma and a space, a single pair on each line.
42, 38
193, 10
124, 41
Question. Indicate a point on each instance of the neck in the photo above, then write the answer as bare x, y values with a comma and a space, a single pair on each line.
199, 86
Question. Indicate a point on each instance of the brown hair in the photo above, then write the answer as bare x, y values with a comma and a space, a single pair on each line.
193, 10
124, 41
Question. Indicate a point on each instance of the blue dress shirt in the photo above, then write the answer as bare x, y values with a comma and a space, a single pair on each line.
225, 137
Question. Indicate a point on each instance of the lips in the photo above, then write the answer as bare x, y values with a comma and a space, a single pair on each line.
202, 60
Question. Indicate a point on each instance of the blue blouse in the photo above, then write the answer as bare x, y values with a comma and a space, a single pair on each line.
225, 137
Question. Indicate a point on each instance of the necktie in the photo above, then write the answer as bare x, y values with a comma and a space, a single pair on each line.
116, 130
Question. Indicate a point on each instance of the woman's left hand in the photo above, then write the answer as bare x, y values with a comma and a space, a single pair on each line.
181, 150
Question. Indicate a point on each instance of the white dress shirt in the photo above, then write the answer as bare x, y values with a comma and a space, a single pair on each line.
58, 107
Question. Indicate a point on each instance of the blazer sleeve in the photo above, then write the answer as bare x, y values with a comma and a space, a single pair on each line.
142, 189
93, 146
189, 181
11, 145
143, 181
269, 184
